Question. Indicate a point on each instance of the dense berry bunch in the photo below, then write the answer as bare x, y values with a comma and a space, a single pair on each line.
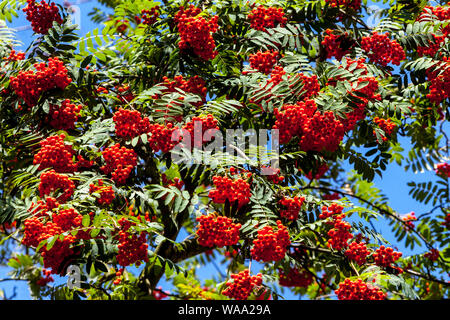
45, 278
293, 207
231, 189
29, 85
15, 56
295, 278
433, 46
120, 161
51, 181
317, 131
310, 87
270, 17
132, 248
384, 257
263, 61
357, 251
55, 257
443, 169
290, 117
63, 117
196, 32
340, 233
386, 125
432, 255
270, 245
41, 208
163, 137
439, 82
242, 285
332, 210
380, 49
197, 128
55, 154
358, 290
36, 231
33, 228
336, 45
217, 231
42, 15
129, 123
149, 16
67, 219
106, 192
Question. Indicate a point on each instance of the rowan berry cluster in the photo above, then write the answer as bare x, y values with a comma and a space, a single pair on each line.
336, 45
446, 221
353, 4
331, 196
432, 255
332, 210
55, 154
317, 131
120, 161
293, 207
358, 252
176, 182
386, 125
63, 117
41, 208
67, 219
42, 15
51, 181
45, 278
384, 257
319, 172
129, 123
161, 137
310, 87
36, 231
275, 176
196, 32
197, 128
132, 248
231, 190
433, 46
242, 285
382, 50
106, 192
408, 219
266, 17
340, 233
439, 83
29, 85
15, 56
195, 85
359, 290
295, 278
270, 245
125, 95
149, 16
217, 231
264, 61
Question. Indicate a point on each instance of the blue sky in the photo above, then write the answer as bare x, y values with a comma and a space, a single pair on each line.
393, 183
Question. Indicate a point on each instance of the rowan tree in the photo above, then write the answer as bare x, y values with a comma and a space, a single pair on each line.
91, 126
